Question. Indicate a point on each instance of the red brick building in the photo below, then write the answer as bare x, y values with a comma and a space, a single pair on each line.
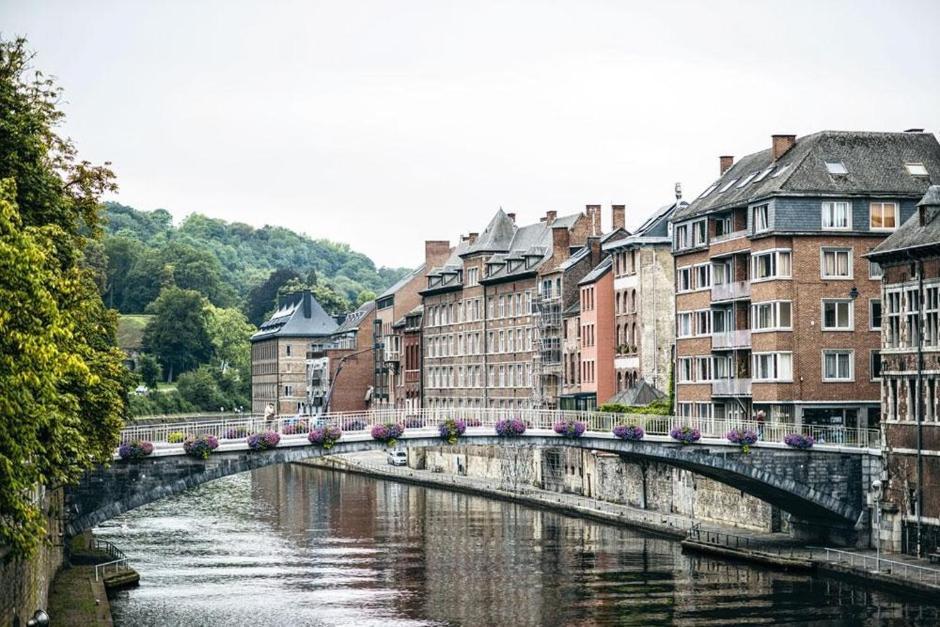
598, 381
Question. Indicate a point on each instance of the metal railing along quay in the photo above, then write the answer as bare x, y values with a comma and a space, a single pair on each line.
599, 424
873, 563
118, 561
743, 543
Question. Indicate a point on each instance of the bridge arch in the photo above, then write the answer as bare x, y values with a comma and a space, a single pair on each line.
798, 482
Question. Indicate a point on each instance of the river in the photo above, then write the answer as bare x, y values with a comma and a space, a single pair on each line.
292, 545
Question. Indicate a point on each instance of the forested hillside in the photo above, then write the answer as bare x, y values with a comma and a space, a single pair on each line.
224, 261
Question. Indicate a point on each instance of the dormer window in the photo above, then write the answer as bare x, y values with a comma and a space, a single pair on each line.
916, 169
836, 167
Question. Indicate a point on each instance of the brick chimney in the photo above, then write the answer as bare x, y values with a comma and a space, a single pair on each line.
618, 216
594, 213
436, 253
561, 240
512, 217
594, 243
550, 216
472, 237
724, 164
781, 144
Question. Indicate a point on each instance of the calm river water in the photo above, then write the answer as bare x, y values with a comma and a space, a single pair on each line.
291, 545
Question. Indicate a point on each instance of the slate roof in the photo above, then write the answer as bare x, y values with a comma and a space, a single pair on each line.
874, 161
353, 319
600, 270
402, 282
291, 320
639, 395
497, 235
911, 235
653, 231
529, 248
448, 273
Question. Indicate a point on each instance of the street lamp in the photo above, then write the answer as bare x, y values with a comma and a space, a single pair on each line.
876, 497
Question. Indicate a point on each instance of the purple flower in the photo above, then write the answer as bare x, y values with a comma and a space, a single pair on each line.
200, 447
263, 441
686, 434
570, 428
798, 440
510, 428
325, 436
632, 433
387, 432
135, 449
742, 437
452, 429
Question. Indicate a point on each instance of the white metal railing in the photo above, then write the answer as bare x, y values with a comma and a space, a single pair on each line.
118, 565
731, 387
739, 338
598, 423
875, 563
728, 236
730, 291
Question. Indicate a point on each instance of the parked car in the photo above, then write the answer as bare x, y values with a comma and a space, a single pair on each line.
397, 458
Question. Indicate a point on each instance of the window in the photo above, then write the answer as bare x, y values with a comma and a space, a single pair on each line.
836, 215
287, 348
684, 324
703, 276
874, 314
932, 316
837, 365
698, 232
288, 390
761, 218
722, 225
836, 263
893, 336
884, 216
473, 277
780, 172
727, 186
912, 300
773, 264
686, 370
773, 366
682, 236
709, 190
874, 365
836, 167
704, 368
837, 315
772, 315
916, 169
747, 179
684, 279
875, 271
703, 321
763, 175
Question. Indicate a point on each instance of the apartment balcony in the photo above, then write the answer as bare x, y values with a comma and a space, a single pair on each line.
731, 387
730, 340
392, 356
731, 291
727, 237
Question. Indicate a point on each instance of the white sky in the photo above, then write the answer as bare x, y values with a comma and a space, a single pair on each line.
383, 124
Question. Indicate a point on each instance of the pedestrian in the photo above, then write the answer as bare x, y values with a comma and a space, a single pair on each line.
760, 424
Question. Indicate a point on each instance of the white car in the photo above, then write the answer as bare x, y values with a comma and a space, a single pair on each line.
397, 458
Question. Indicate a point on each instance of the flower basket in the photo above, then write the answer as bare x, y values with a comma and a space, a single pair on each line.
176, 437
325, 436
294, 428
631, 433
452, 429
235, 434
263, 441
570, 428
800, 441
388, 432
200, 447
510, 428
135, 449
686, 435
743, 438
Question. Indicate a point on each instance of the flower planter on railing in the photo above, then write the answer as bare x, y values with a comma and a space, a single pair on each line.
569, 428
510, 428
744, 438
685, 435
388, 433
800, 441
135, 450
263, 441
176, 437
200, 447
325, 436
631, 433
452, 429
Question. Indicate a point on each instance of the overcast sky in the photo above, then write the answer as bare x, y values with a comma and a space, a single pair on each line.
383, 124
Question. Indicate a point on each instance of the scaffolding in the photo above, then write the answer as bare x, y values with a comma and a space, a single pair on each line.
547, 354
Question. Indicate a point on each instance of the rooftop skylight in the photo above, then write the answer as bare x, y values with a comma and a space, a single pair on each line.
781, 171
836, 167
763, 174
916, 169
728, 185
708, 191
747, 179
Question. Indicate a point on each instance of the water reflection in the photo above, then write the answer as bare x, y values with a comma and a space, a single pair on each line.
299, 546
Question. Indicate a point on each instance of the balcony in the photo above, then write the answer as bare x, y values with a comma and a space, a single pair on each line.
740, 338
727, 237
731, 387
392, 356
731, 291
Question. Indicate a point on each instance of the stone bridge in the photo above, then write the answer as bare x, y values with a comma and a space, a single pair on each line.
824, 489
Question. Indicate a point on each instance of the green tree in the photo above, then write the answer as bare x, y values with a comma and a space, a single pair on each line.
229, 332
178, 334
149, 370
62, 382
261, 298
200, 388
364, 297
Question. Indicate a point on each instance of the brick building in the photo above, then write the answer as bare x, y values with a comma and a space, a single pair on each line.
279, 352
598, 380
644, 289
408, 392
910, 372
777, 308
492, 311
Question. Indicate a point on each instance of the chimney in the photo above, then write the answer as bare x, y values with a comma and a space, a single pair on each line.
781, 144
472, 237
561, 240
512, 217
308, 303
594, 213
594, 243
724, 163
618, 216
436, 253
550, 216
